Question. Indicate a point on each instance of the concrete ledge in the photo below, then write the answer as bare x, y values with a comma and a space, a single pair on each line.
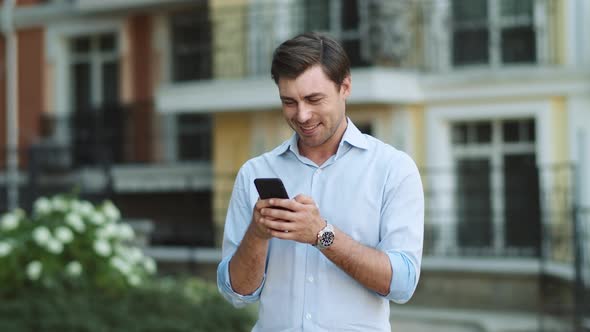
498, 265
184, 254
413, 319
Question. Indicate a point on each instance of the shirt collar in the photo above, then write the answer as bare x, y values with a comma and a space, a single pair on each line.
352, 135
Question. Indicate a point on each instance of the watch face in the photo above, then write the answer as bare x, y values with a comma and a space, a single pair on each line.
327, 239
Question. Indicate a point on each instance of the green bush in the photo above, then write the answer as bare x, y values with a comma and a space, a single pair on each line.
164, 305
67, 242
71, 266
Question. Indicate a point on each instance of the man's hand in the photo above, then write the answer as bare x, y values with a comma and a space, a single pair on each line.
295, 219
258, 227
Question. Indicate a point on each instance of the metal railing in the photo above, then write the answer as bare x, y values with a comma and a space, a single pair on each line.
121, 134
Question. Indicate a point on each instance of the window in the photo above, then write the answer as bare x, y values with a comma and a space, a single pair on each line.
194, 137
94, 68
493, 32
365, 128
191, 45
97, 116
497, 204
339, 18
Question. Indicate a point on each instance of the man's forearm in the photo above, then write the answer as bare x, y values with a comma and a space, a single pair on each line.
246, 268
368, 266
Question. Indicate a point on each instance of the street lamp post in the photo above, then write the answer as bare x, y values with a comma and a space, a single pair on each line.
11, 63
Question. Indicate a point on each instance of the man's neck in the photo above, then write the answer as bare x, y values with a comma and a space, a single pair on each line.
319, 154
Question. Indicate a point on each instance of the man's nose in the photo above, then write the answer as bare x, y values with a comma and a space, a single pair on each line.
304, 113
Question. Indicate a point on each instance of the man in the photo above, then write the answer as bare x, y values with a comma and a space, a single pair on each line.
332, 257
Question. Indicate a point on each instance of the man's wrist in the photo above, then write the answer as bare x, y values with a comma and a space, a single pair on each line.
325, 237
257, 233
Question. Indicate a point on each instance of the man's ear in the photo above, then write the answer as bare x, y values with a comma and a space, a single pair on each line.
346, 86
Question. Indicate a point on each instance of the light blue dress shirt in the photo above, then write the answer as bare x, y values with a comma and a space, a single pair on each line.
370, 191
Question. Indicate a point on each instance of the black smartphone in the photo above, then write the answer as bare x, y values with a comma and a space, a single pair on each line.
270, 188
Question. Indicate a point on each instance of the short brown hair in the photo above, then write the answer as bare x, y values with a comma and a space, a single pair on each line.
303, 51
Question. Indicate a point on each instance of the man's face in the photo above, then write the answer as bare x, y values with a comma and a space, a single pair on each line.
314, 107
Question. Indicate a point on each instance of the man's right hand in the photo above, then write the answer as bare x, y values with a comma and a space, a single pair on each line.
260, 230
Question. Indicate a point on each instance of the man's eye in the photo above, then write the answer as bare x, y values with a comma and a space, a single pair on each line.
315, 101
288, 102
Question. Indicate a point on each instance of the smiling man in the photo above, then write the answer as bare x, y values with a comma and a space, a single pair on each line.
350, 240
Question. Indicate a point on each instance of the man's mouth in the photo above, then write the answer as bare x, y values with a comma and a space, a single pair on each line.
307, 130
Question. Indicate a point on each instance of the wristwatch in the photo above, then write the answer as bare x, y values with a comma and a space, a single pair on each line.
325, 237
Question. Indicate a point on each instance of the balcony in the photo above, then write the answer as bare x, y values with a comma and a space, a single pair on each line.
404, 44
126, 147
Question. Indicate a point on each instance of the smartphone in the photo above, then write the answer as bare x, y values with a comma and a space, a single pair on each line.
270, 188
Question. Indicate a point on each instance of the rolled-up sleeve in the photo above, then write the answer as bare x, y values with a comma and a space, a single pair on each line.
402, 229
237, 221
224, 285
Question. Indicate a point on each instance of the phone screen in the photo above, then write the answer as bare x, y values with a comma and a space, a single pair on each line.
270, 188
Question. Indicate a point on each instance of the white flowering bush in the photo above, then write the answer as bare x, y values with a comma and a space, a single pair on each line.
68, 242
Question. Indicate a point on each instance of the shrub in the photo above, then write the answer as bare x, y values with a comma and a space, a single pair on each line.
162, 305
67, 242
71, 266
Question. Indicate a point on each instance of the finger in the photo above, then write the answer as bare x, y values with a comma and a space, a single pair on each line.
288, 204
276, 213
278, 225
262, 203
275, 224
303, 199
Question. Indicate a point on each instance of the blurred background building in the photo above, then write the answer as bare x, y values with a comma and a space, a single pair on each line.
155, 104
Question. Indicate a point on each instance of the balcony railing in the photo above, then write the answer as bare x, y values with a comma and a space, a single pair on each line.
238, 41
122, 134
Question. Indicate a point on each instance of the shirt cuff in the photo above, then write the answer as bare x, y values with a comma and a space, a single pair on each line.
403, 279
225, 288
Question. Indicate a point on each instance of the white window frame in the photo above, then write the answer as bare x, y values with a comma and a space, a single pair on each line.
495, 150
57, 39
95, 58
441, 18
335, 23
440, 154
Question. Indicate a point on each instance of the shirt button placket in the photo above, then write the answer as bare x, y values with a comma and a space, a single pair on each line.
311, 267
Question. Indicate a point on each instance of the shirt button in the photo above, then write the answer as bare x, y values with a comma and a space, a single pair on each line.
308, 316
319, 171
310, 278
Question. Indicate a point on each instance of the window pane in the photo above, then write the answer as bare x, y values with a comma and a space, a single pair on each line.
191, 45
365, 128
518, 45
483, 132
317, 15
470, 46
353, 50
529, 130
522, 207
474, 203
110, 83
459, 134
107, 42
80, 83
510, 131
350, 15
80, 45
194, 137
470, 10
516, 7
